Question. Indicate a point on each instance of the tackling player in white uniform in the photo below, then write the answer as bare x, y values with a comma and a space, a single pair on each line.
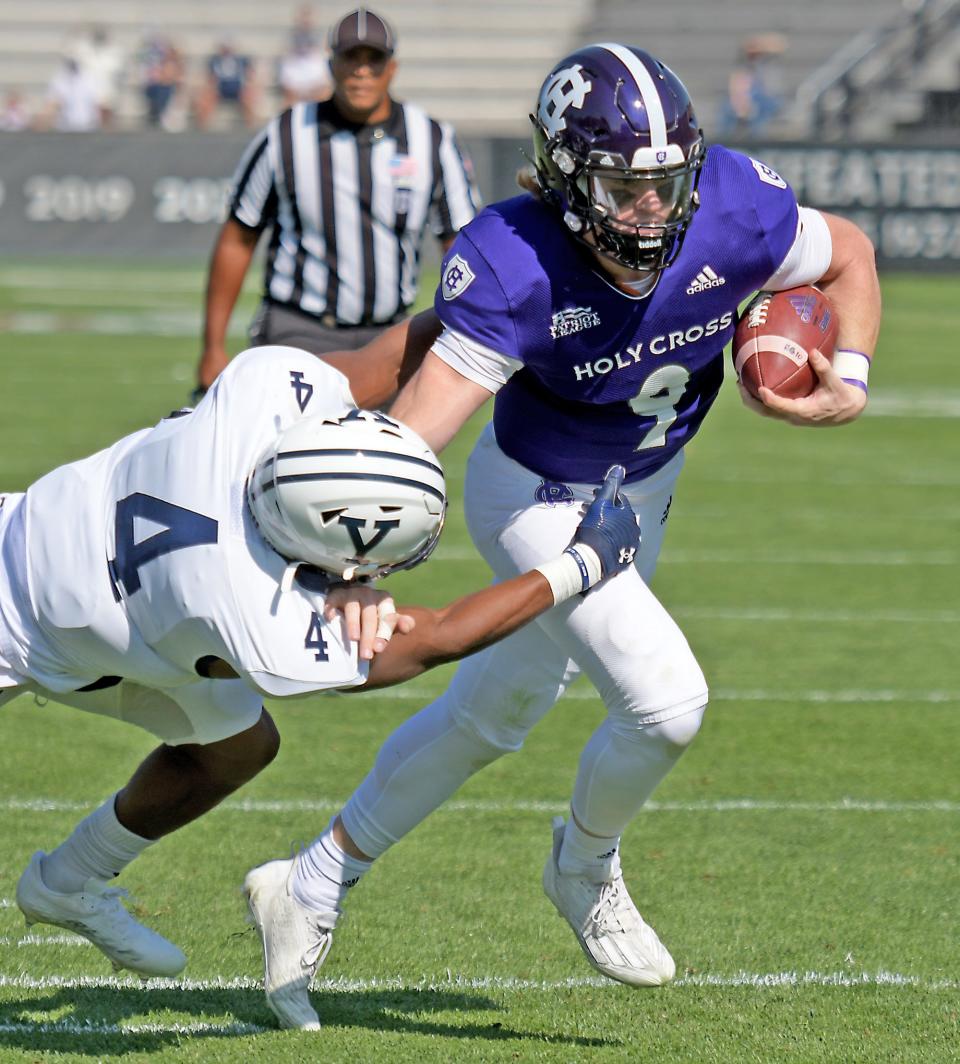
178, 576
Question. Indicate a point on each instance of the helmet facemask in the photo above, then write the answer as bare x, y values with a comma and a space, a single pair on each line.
618, 152
636, 215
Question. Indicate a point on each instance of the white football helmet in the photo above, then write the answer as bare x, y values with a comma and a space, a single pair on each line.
361, 496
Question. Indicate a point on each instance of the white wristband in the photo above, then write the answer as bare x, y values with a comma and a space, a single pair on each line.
853, 366
576, 570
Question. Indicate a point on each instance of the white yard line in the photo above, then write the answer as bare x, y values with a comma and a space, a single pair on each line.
71, 1027
921, 478
720, 694
43, 940
93, 280
768, 614
170, 322
480, 805
879, 559
754, 980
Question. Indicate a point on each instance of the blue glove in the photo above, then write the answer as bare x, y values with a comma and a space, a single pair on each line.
609, 528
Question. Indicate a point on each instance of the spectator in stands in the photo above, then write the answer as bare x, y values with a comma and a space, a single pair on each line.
304, 70
71, 100
753, 97
103, 62
229, 81
14, 114
162, 75
347, 188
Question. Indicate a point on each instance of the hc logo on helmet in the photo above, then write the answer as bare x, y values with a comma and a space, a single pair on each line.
553, 493
567, 88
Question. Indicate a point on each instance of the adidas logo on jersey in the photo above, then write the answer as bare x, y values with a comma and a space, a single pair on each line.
706, 278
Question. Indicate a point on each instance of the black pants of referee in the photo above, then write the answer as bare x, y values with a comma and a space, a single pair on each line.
275, 324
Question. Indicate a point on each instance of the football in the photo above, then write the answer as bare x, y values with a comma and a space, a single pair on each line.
774, 336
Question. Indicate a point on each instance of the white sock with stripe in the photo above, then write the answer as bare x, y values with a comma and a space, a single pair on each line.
324, 873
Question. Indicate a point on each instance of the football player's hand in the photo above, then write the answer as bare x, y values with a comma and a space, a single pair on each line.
832, 402
609, 525
370, 616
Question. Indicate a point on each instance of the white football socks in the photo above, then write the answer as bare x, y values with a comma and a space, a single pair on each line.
323, 874
99, 848
587, 855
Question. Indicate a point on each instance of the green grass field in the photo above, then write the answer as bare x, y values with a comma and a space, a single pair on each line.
801, 862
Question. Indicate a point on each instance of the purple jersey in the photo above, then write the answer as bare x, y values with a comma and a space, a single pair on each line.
607, 376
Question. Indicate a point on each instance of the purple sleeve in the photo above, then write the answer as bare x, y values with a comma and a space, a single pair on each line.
471, 300
776, 211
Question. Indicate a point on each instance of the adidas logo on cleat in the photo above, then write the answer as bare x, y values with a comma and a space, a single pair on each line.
707, 278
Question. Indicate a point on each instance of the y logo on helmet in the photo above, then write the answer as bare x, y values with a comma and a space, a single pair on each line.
304, 389
567, 88
354, 524
358, 414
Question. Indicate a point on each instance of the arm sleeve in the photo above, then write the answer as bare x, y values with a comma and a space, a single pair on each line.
475, 361
253, 197
455, 197
471, 300
809, 256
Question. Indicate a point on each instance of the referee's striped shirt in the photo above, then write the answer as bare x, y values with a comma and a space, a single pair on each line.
349, 205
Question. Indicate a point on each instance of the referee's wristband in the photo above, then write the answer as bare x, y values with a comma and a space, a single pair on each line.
575, 571
853, 367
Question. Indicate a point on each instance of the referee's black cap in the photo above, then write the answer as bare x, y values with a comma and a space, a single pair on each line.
362, 29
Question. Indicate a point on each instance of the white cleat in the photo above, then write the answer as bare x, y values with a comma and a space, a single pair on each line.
608, 927
295, 943
96, 913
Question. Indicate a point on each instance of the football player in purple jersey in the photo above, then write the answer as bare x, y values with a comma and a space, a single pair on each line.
596, 310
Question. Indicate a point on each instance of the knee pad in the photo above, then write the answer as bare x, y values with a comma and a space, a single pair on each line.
669, 708
674, 734
680, 731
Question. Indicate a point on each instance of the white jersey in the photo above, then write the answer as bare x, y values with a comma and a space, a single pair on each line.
144, 558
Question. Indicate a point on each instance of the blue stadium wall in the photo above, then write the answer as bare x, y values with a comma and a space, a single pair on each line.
163, 195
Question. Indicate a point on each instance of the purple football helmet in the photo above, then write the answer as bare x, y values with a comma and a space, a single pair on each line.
618, 151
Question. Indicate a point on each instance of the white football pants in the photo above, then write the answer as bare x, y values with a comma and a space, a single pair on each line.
618, 634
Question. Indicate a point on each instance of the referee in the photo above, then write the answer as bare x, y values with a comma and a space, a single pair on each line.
347, 189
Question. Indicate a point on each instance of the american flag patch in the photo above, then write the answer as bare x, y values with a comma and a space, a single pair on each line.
403, 166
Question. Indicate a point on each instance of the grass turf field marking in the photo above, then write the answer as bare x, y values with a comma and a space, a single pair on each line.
854, 696
882, 559
73, 1028
43, 940
754, 980
93, 280
778, 613
480, 805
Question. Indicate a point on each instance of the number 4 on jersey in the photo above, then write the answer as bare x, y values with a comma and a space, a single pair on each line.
315, 640
174, 527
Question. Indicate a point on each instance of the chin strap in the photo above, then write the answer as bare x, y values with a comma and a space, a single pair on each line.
289, 575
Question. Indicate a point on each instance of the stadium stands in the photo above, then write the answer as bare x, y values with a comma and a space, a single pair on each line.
480, 64
477, 64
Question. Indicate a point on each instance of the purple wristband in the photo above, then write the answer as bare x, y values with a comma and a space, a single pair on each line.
581, 565
857, 384
854, 351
